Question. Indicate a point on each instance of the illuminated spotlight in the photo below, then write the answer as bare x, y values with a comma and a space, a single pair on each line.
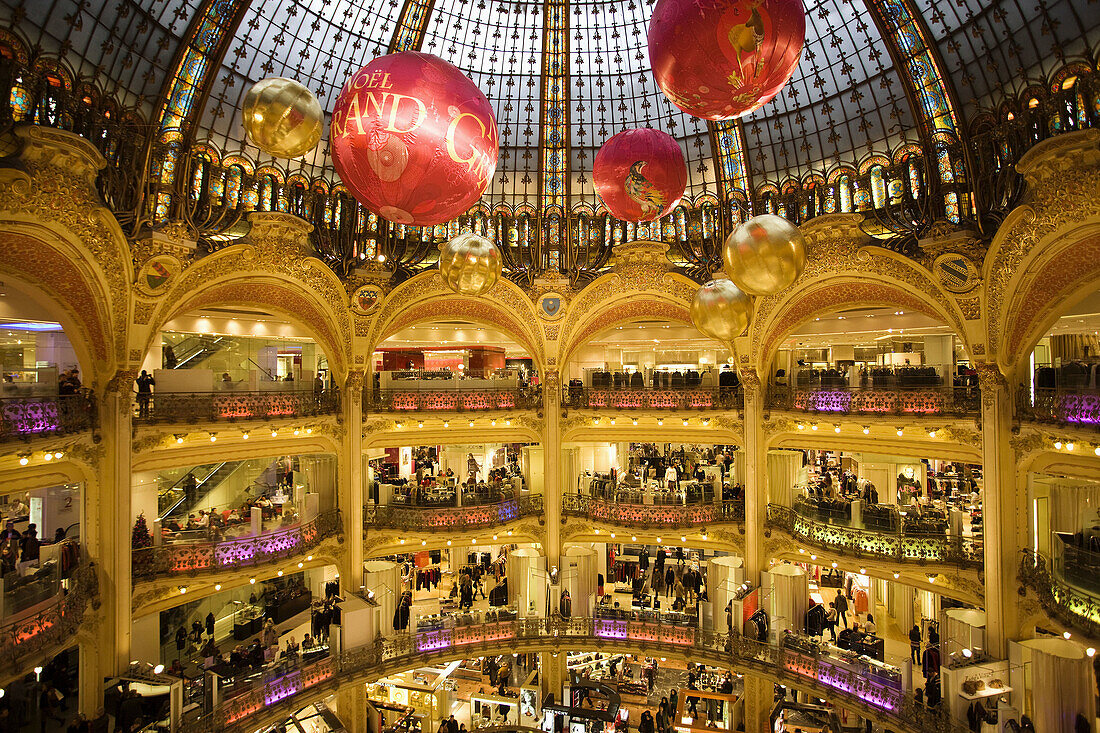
309, 431
493, 423
1057, 445
402, 540
47, 456
179, 438
274, 433
297, 431
183, 589
471, 423
901, 432
897, 575
213, 437
686, 422
252, 581
863, 571
448, 543
446, 424
813, 427
280, 573
1066, 635
633, 538
1069, 445
24, 460
836, 428
931, 578
967, 653
1091, 652
244, 436
58, 454
302, 564
420, 424
612, 421
866, 430
660, 421
834, 563
635, 421
217, 586
813, 557
801, 426
595, 421
158, 669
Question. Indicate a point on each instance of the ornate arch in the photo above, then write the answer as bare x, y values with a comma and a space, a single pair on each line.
1046, 255
845, 271
622, 310
267, 274
426, 298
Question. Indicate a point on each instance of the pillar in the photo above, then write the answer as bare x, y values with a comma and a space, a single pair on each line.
106, 528
351, 707
351, 500
756, 475
759, 699
1000, 507
552, 486
554, 674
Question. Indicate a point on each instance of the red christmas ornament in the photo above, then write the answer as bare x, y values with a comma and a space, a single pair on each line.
720, 59
413, 139
640, 174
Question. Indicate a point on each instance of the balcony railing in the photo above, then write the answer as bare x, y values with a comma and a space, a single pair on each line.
1077, 407
423, 398
901, 402
230, 406
1069, 604
428, 519
26, 418
857, 692
662, 398
52, 626
651, 515
880, 545
200, 557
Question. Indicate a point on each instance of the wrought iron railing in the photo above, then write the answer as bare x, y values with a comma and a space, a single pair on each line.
859, 693
54, 626
901, 402
902, 547
1061, 406
26, 418
230, 406
206, 557
426, 397
657, 398
1069, 604
1076, 565
651, 515
427, 519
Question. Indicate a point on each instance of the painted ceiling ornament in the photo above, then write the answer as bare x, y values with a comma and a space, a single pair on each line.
721, 59
282, 117
640, 174
764, 255
413, 139
721, 310
470, 264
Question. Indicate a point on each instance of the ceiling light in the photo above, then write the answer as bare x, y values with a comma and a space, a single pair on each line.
931, 433
801, 426
1091, 652
836, 428
1069, 445
183, 589
866, 430
813, 557
660, 421
179, 438
217, 586
1057, 445
252, 581
24, 460
685, 422
58, 454
309, 431
901, 432
47, 456
213, 437
1066, 635
244, 436
158, 669
635, 421
296, 431
448, 543
446, 424
612, 421
595, 421
274, 433
897, 575
813, 427
967, 653
834, 563
633, 538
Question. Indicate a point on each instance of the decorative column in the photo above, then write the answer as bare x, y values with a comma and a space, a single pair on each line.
351, 477
553, 675
106, 531
551, 460
351, 705
1000, 507
756, 476
759, 699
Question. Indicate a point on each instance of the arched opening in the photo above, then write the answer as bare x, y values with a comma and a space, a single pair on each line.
44, 371
453, 366
225, 363
872, 360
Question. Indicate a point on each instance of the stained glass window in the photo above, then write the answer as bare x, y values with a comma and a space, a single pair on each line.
845, 185
878, 187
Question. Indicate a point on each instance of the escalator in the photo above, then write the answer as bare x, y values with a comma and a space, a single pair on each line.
193, 350
174, 500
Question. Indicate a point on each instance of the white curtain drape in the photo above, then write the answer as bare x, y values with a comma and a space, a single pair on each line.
784, 471
1061, 685
1074, 505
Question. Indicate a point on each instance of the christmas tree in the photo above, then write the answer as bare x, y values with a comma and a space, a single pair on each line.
141, 537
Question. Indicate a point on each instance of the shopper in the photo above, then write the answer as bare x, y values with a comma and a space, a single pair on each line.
830, 619
841, 608
914, 643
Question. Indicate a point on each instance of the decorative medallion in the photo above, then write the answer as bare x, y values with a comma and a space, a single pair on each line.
956, 272
157, 273
366, 298
551, 306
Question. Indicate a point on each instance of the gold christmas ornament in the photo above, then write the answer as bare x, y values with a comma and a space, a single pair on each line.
470, 264
282, 117
765, 255
721, 310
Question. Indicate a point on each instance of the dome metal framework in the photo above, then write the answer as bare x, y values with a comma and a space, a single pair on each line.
911, 112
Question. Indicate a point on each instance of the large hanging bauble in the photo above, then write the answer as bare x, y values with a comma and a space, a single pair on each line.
413, 139
282, 117
721, 310
470, 264
640, 174
720, 59
764, 255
